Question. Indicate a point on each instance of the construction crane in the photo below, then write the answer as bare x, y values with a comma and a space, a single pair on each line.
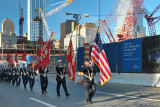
151, 20
105, 25
131, 20
21, 18
66, 3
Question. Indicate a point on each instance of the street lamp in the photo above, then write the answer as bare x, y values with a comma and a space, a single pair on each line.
78, 18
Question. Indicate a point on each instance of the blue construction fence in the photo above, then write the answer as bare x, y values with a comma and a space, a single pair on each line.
141, 55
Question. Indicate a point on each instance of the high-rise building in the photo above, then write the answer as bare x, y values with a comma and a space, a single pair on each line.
66, 28
121, 15
36, 28
88, 31
8, 27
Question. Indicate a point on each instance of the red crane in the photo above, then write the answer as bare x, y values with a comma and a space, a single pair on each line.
151, 20
105, 25
21, 19
131, 20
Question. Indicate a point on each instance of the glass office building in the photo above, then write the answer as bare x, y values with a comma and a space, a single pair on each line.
35, 27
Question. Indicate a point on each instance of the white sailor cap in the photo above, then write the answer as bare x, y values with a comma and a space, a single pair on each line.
59, 61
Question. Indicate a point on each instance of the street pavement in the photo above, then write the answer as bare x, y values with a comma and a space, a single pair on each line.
109, 95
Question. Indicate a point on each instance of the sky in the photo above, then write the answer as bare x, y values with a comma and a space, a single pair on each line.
9, 8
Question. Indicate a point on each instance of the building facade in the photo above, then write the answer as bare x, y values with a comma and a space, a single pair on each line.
57, 44
77, 41
66, 28
8, 41
35, 27
8, 27
88, 31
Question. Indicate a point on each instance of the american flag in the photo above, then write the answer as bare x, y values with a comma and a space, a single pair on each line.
99, 57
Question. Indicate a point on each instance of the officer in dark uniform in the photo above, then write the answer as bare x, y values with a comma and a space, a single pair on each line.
24, 72
9, 75
88, 79
43, 78
31, 76
61, 78
6, 74
1, 72
18, 75
13, 70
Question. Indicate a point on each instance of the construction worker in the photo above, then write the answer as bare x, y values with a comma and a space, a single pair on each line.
13, 70
24, 72
88, 79
61, 78
31, 76
18, 75
43, 78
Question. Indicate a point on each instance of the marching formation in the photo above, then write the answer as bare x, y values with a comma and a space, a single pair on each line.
12, 75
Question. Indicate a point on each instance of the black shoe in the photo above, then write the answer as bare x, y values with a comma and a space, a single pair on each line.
42, 92
68, 95
58, 95
45, 91
88, 102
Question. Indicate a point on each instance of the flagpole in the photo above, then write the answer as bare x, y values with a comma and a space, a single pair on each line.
99, 10
2, 53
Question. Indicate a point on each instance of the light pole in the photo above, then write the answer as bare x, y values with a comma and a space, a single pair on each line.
78, 18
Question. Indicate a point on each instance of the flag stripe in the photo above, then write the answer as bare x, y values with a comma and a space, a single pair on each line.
105, 65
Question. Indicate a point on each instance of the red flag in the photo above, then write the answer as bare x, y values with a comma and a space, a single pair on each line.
16, 58
71, 62
11, 59
46, 59
8, 58
37, 59
24, 56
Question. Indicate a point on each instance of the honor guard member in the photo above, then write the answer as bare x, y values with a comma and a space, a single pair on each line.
31, 76
1, 73
9, 75
61, 78
18, 75
88, 79
24, 72
6, 74
43, 78
13, 70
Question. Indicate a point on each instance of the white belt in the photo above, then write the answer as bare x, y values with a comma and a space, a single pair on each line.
62, 76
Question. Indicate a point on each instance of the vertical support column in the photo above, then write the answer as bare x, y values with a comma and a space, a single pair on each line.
54, 63
86, 50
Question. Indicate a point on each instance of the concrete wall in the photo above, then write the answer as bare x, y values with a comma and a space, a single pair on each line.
142, 79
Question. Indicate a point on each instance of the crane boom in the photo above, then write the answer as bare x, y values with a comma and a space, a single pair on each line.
151, 20
68, 2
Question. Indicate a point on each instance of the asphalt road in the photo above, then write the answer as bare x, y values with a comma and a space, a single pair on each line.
110, 95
